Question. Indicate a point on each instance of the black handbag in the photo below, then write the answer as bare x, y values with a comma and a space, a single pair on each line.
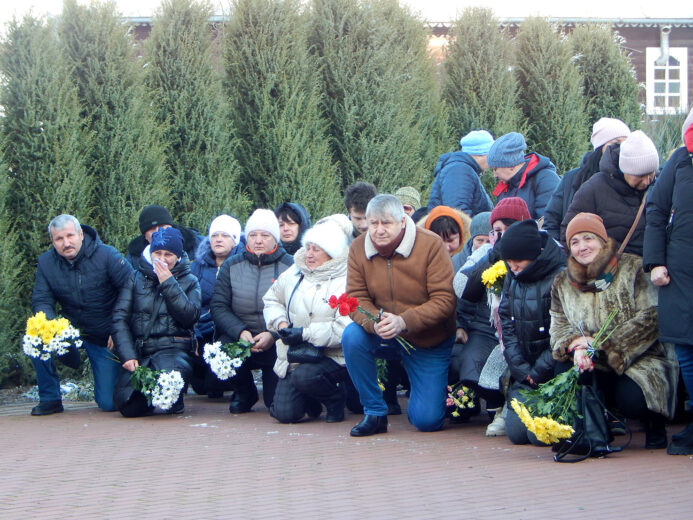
303, 352
592, 437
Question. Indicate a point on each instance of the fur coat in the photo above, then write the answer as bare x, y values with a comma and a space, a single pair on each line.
633, 349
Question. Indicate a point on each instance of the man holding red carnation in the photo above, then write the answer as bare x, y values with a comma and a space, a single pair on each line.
403, 275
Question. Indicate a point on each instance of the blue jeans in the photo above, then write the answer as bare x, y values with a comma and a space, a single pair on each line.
427, 369
684, 353
104, 366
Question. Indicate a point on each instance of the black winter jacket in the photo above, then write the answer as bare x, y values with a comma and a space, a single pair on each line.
86, 288
608, 195
174, 307
241, 283
563, 196
669, 242
524, 314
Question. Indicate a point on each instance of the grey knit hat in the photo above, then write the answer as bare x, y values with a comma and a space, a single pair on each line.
480, 224
638, 155
507, 151
606, 129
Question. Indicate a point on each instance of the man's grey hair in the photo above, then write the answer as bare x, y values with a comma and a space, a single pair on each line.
384, 204
61, 221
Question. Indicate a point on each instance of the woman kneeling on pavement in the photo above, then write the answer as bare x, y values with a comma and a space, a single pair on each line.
533, 259
154, 317
296, 307
636, 373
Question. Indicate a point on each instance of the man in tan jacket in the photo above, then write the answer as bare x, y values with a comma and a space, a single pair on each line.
403, 274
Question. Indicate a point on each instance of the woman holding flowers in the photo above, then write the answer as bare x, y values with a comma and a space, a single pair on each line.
154, 318
297, 308
636, 373
533, 259
237, 306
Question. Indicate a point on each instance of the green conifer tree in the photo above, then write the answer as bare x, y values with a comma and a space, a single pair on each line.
190, 101
271, 81
550, 94
479, 87
44, 174
127, 156
387, 122
609, 84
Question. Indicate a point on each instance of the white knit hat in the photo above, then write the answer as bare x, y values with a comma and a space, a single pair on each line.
343, 222
638, 155
606, 129
226, 224
328, 236
263, 220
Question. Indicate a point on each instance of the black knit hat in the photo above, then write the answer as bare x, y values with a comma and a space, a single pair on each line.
153, 216
521, 241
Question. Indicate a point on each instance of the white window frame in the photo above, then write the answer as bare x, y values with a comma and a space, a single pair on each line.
651, 55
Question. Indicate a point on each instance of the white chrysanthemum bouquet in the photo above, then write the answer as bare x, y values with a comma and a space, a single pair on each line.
225, 359
161, 387
44, 337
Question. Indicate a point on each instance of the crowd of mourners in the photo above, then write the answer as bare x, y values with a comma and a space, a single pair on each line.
612, 237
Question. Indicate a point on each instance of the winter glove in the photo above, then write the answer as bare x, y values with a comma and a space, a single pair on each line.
291, 335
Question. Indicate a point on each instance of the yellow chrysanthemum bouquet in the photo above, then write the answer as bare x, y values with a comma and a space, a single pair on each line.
44, 337
550, 410
494, 276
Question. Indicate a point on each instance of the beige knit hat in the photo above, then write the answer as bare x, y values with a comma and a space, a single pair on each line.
638, 155
409, 195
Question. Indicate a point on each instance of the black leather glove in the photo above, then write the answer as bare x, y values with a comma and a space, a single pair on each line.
291, 335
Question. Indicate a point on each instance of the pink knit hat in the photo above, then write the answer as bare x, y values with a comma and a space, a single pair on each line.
638, 155
606, 129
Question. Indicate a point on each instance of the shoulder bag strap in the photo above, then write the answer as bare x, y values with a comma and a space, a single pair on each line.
288, 305
632, 228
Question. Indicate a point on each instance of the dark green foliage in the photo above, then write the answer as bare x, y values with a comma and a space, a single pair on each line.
665, 132
479, 88
190, 103
44, 173
271, 82
127, 157
609, 83
550, 95
386, 120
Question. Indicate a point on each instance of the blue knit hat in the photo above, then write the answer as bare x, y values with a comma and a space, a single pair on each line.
507, 151
480, 224
169, 239
476, 142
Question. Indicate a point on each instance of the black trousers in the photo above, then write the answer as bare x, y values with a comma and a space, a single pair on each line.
324, 382
243, 383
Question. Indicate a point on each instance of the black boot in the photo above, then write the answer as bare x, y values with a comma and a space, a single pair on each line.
335, 404
242, 401
47, 408
313, 408
370, 425
655, 434
682, 442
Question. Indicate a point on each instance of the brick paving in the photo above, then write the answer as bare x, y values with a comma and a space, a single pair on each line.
209, 464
